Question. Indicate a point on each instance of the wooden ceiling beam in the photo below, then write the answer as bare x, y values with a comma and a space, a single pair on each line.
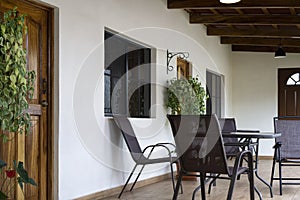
285, 42
210, 4
244, 19
293, 12
282, 33
263, 48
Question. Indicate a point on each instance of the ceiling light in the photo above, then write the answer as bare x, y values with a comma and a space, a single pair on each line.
229, 1
280, 53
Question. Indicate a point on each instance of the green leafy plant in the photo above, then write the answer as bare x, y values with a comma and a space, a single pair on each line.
16, 87
186, 96
9, 176
16, 83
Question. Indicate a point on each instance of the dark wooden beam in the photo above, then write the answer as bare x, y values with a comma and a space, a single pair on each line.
257, 41
252, 32
244, 19
210, 4
263, 49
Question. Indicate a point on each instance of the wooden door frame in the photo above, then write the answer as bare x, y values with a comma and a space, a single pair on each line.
52, 146
52, 89
278, 86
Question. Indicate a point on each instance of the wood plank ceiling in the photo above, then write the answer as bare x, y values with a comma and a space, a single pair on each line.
250, 25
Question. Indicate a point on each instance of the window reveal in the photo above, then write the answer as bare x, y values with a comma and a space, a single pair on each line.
127, 77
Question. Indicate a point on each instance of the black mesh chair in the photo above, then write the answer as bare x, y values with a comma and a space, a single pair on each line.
233, 145
287, 148
199, 145
139, 155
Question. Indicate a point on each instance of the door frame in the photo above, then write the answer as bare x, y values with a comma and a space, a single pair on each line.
52, 123
278, 85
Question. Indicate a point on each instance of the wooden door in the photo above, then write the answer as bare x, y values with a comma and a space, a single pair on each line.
35, 149
289, 92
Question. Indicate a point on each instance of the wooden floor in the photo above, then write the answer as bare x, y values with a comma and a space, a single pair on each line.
163, 190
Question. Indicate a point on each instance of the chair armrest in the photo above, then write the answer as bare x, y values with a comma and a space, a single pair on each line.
250, 131
240, 157
167, 143
277, 145
152, 147
277, 154
239, 144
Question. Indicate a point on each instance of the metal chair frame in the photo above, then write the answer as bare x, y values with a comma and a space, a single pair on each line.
233, 146
286, 160
126, 129
191, 163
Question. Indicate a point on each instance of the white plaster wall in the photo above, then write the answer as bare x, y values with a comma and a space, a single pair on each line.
254, 97
92, 154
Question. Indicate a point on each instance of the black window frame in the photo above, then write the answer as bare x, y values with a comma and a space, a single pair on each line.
135, 55
214, 90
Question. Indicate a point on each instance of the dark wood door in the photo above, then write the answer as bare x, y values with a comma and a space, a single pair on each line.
289, 92
35, 149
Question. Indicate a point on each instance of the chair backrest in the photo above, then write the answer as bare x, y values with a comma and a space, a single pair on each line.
129, 136
228, 125
199, 143
289, 127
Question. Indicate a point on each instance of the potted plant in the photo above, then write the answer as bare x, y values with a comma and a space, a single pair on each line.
186, 96
16, 87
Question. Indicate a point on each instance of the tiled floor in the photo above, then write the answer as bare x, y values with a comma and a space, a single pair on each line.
163, 190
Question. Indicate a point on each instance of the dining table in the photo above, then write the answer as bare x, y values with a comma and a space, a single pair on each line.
251, 140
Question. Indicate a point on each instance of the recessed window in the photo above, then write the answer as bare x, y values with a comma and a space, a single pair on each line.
127, 76
214, 90
294, 79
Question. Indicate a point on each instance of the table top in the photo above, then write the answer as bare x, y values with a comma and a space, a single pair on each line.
263, 135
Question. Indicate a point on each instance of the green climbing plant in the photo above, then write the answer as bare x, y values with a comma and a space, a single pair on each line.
16, 82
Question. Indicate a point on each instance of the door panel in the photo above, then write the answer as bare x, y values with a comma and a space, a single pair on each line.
288, 94
33, 149
33, 53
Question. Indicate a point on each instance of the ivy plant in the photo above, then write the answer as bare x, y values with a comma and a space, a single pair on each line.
16, 82
186, 96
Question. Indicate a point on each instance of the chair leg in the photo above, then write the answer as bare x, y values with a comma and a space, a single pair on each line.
127, 181
202, 182
181, 189
173, 180
231, 186
241, 164
251, 183
280, 178
195, 191
172, 175
273, 170
178, 184
137, 178
212, 182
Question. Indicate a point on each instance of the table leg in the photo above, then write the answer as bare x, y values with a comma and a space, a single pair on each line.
258, 192
256, 170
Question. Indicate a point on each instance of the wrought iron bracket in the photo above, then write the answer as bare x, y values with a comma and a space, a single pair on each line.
170, 55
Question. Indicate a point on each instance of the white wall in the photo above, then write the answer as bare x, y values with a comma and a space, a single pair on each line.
92, 154
254, 98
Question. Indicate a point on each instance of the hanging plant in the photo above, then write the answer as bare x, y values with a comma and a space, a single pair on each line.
16, 83
186, 97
